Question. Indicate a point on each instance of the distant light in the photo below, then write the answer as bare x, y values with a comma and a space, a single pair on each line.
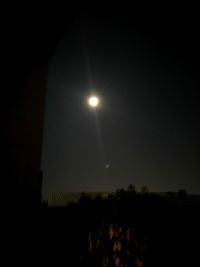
93, 101
107, 166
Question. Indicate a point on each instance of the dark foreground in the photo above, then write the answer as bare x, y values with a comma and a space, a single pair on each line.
80, 234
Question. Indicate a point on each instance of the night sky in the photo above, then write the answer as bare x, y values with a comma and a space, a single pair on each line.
143, 66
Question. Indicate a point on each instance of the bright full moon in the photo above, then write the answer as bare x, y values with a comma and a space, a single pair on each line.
93, 101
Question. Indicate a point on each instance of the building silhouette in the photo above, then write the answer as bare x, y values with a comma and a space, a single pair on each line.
30, 37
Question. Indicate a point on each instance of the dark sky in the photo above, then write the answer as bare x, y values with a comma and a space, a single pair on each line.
143, 66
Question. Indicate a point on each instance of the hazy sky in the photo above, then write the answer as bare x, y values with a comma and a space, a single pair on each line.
147, 128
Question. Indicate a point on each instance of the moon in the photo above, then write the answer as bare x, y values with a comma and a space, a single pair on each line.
93, 101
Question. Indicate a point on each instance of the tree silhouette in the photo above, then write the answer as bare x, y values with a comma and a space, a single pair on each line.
120, 193
171, 196
182, 194
131, 188
144, 190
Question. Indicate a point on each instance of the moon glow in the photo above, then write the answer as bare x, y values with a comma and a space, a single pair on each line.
93, 101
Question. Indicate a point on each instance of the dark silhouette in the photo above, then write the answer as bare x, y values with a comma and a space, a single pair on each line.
135, 230
182, 194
